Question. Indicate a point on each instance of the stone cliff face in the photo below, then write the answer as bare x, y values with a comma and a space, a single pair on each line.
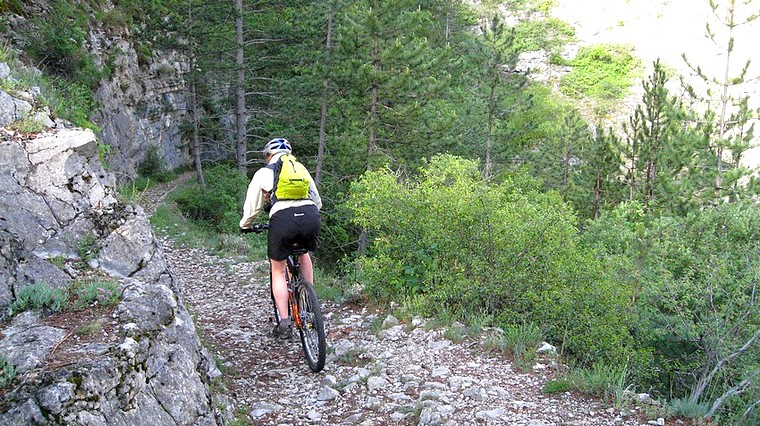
140, 106
141, 102
55, 198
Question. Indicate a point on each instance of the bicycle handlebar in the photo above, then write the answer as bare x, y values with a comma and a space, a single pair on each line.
257, 228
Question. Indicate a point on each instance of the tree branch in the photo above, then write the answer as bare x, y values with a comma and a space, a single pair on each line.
736, 390
704, 381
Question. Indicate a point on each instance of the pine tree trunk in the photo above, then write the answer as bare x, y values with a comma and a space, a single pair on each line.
323, 109
491, 107
196, 146
195, 143
597, 194
240, 114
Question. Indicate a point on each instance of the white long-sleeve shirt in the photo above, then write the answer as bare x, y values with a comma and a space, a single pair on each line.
263, 180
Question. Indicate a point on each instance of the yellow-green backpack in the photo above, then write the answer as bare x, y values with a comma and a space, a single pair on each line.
291, 180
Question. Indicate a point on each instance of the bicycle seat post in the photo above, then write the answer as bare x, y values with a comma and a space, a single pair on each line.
295, 264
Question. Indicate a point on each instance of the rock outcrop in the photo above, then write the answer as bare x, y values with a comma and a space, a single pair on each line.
57, 205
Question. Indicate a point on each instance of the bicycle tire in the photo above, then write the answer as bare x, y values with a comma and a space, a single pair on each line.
312, 328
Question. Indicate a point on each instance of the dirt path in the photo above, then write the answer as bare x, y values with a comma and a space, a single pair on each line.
378, 371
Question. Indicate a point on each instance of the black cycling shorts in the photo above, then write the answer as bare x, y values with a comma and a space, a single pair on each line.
293, 226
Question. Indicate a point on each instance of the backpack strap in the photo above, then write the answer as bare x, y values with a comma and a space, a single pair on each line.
270, 198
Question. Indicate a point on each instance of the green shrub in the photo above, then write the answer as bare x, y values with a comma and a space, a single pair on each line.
154, 166
602, 380
601, 72
133, 192
694, 278
57, 42
88, 247
28, 125
547, 34
13, 6
558, 386
473, 248
684, 407
219, 205
521, 341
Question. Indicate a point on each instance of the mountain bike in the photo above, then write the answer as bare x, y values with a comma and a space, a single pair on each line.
303, 307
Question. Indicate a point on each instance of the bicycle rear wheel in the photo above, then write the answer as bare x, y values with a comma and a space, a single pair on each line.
312, 328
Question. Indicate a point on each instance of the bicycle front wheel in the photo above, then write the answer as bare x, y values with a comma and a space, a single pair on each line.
312, 328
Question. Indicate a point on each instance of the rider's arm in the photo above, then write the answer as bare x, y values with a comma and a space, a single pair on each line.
254, 198
314, 193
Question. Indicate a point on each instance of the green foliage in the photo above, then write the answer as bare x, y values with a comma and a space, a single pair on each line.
469, 247
100, 293
12, 6
132, 192
695, 280
28, 125
520, 341
154, 166
78, 295
548, 34
58, 43
87, 247
686, 408
65, 99
90, 328
601, 379
561, 385
218, 205
601, 72
72, 101
38, 296
7, 372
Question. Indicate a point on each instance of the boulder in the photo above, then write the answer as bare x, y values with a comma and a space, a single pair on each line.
58, 205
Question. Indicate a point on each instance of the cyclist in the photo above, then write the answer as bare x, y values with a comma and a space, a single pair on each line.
290, 222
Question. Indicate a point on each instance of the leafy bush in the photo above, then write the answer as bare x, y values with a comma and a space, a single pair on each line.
219, 205
686, 408
561, 385
469, 247
154, 166
695, 279
600, 379
57, 42
520, 341
28, 125
550, 34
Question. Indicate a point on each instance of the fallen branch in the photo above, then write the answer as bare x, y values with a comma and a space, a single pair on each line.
55, 348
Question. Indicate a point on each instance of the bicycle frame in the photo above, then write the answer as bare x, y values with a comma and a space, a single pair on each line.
292, 275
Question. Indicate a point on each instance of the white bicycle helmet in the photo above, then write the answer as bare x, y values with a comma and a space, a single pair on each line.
277, 145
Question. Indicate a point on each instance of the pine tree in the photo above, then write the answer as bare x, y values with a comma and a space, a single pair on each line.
656, 157
390, 74
728, 119
602, 168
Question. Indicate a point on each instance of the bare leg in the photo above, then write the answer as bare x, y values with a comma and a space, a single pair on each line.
279, 286
307, 268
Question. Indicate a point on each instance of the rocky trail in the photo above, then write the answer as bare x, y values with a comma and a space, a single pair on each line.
379, 371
